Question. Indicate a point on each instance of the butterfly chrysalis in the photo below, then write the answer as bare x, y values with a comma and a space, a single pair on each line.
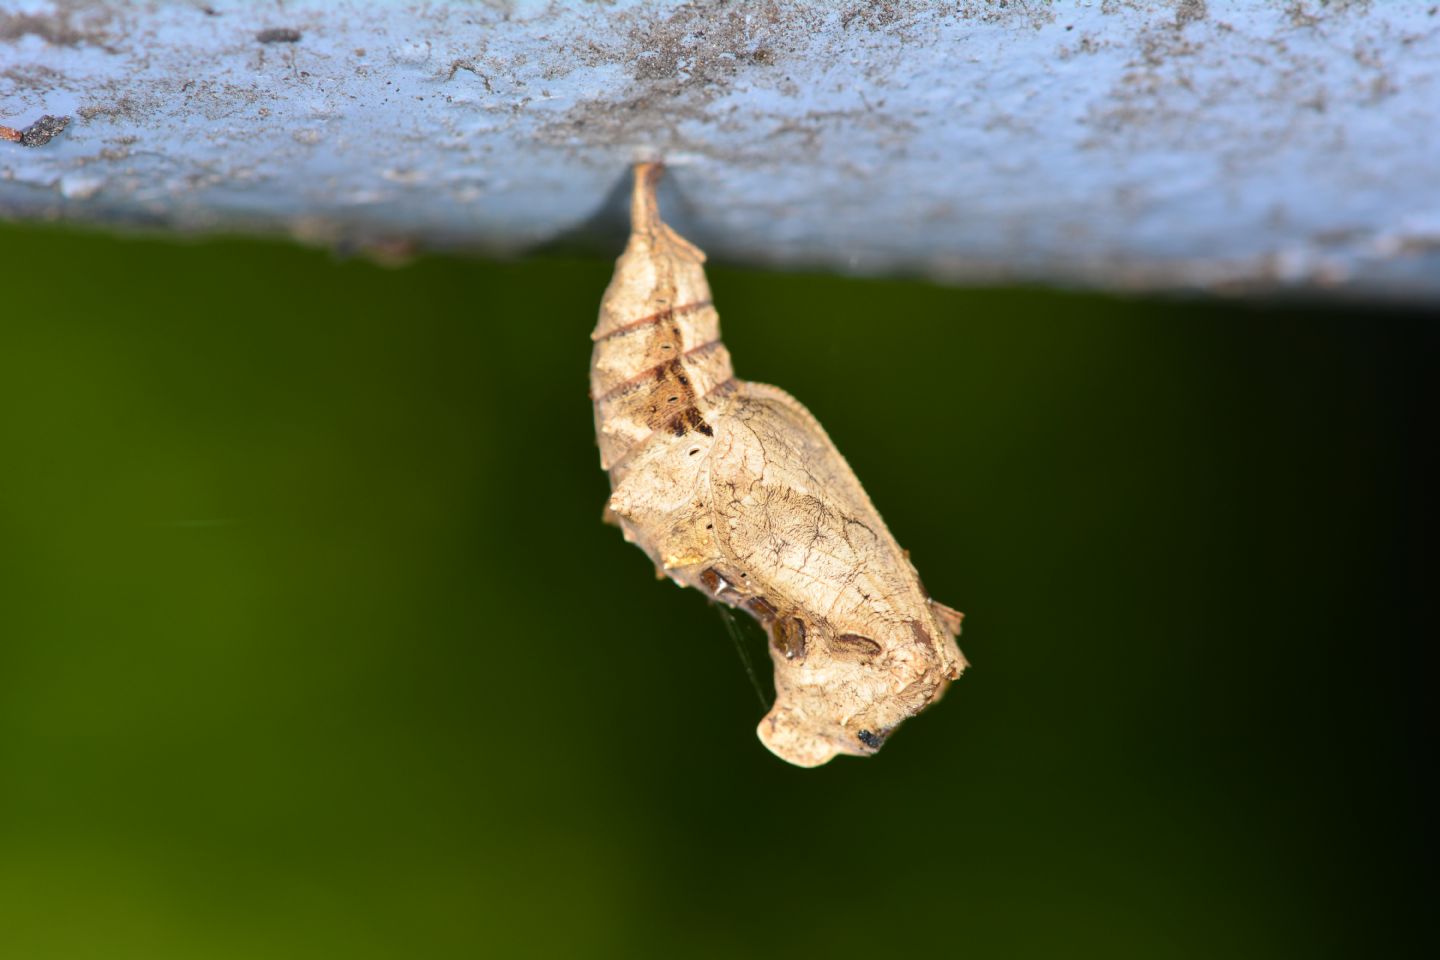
734, 489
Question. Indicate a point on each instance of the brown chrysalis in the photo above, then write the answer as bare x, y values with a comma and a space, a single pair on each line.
734, 489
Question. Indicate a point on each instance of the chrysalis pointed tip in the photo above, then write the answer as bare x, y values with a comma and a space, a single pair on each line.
645, 219
644, 208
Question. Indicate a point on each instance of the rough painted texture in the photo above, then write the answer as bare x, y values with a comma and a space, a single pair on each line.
734, 489
1123, 143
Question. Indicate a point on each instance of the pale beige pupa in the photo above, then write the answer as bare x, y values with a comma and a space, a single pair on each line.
734, 489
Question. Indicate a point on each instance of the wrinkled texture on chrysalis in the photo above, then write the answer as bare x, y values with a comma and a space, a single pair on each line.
734, 489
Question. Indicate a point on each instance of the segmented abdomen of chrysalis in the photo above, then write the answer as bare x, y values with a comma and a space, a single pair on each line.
658, 366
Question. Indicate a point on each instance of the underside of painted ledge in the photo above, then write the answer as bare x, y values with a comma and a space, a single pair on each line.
1257, 145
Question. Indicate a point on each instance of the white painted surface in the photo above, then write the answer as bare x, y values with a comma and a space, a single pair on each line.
1119, 143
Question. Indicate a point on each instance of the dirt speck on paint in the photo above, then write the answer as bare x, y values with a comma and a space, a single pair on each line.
457, 65
278, 35
1190, 11
124, 108
67, 26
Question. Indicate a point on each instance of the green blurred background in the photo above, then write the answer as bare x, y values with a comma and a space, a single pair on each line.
312, 642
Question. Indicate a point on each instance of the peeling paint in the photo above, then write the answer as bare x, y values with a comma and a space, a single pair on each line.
37, 134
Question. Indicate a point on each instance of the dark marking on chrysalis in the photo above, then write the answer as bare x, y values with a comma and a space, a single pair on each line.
871, 740
921, 637
854, 645
715, 583
763, 609
789, 638
669, 313
689, 419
